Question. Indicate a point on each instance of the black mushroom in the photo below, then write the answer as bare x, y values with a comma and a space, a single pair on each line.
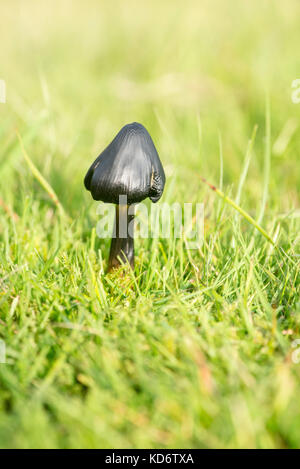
125, 173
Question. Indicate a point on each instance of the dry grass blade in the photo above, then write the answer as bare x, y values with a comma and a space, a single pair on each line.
240, 210
40, 177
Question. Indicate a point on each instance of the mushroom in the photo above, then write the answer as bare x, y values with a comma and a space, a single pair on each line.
125, 173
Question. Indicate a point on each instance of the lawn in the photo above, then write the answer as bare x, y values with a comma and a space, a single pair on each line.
196, 348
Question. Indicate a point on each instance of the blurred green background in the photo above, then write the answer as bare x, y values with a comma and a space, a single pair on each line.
91, 67
152, 365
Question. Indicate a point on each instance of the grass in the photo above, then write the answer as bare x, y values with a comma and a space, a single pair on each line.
195, 349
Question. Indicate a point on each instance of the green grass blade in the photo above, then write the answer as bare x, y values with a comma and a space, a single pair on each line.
40, 178
267, 162
240, 210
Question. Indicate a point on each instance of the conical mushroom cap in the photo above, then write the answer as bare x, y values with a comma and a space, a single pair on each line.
129, 166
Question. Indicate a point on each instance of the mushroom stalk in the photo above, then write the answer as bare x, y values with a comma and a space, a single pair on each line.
128, 167
122, 244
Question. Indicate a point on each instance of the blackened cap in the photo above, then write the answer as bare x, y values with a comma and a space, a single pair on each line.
129, 166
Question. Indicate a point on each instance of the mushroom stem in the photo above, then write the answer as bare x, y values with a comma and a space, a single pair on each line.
122, 244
